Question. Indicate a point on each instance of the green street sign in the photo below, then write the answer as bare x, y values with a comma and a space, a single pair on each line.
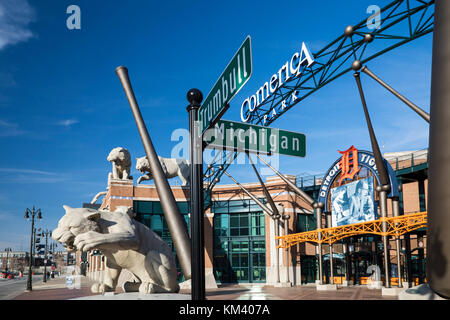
239, 136
234, 77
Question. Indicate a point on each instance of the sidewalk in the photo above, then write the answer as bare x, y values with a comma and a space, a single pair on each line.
55, 289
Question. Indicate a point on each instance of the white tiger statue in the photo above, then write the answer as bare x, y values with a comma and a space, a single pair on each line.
171, 168
121, 163
125, 243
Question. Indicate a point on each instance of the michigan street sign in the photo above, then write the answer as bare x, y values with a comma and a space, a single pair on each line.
234, 77
240, 136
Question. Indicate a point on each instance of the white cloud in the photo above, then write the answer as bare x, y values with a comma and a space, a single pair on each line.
12, 170
27, 176
15, 16
68, 122
5, 216
8, 129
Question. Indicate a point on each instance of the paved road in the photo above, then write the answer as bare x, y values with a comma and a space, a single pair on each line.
11, 288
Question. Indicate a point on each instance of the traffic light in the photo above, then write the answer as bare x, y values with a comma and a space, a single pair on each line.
38, 240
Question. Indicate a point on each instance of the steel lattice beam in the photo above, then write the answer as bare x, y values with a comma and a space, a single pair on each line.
396, 226
401, 22
414, 17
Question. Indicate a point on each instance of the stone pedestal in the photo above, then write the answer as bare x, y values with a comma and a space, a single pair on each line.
376, 285
420, 292
394, 291
210, 282
283, 285
326, 287
138, 296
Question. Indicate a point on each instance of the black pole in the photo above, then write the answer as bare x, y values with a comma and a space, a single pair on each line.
384, 178
34, 247
46, 232
195, 97
418, 110
384, 186
7, 259
29, 282
438, 244
175, 222
32, 212
347, 261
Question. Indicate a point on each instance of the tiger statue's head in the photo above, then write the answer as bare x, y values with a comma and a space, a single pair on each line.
142, 165
73, 223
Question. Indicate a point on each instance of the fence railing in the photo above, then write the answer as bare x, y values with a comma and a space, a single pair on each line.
409, 160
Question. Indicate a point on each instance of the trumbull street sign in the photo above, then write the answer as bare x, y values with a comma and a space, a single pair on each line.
239, 136
234, 77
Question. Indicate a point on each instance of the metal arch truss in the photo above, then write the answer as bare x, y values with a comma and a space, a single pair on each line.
401, 21
396, 226
222, 160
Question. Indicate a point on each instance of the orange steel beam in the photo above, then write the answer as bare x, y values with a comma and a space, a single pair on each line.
396, 226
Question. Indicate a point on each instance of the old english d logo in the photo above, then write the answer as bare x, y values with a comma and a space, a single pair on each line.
349, 164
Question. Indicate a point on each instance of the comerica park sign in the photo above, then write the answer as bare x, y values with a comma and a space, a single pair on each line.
293, 68
232, 79
230, 135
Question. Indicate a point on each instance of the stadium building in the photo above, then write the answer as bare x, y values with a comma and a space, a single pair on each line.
240, 244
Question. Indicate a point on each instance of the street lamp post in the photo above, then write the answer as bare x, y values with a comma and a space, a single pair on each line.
286, 218
33, 213
195, 98
8, 250
46, 234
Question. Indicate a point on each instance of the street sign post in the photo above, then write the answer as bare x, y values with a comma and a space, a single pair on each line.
232, 79
240, 136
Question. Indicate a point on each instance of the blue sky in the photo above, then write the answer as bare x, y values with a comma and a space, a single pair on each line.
62, 108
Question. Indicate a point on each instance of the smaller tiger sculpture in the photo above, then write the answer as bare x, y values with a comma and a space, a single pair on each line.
121, 163
171, 168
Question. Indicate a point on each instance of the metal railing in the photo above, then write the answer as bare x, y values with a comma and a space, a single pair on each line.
408, 160
396, 226
309, 180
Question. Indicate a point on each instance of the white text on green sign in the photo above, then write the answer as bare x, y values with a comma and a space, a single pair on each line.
243, 137
291, 69
234, 77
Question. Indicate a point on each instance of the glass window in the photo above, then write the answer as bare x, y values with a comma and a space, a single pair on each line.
243, 221
234, 221
234, 232
150, 213
238, 206
247, 246
184, 207
306, 222
156, 224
